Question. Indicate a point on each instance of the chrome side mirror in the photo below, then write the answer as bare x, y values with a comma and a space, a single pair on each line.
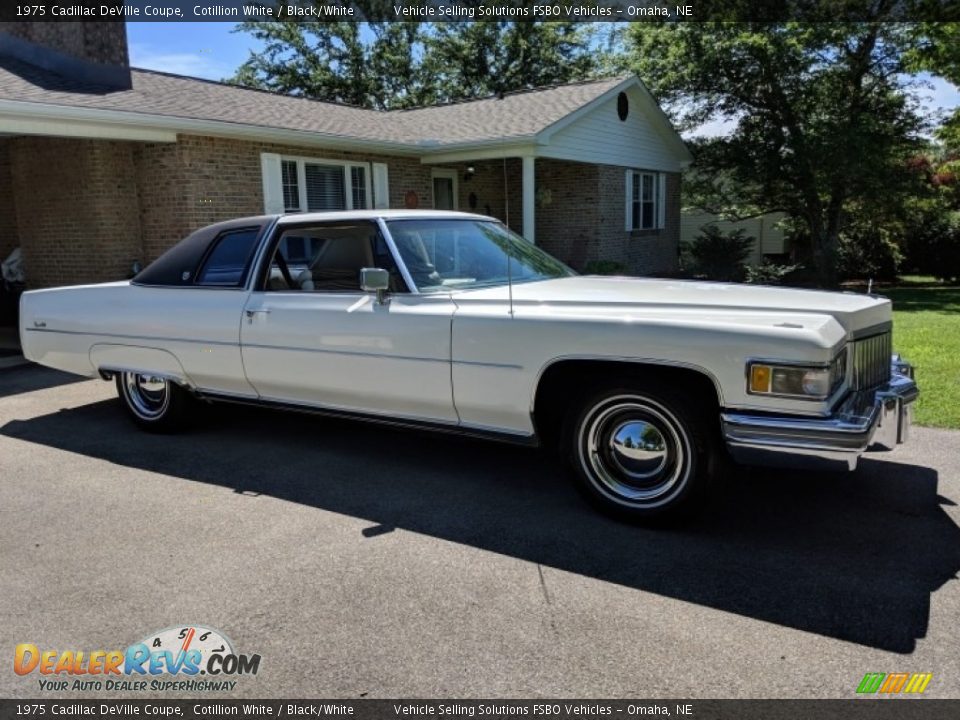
375, 280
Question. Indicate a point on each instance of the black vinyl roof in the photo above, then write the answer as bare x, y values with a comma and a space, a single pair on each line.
178, 266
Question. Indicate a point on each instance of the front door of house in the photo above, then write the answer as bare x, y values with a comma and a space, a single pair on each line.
444, 189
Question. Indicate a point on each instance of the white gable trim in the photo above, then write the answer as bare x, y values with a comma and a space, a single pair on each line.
544, 135
649, 107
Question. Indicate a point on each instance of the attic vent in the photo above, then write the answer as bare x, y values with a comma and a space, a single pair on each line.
623, 106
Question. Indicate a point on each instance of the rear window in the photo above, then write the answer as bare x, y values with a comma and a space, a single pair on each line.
229, 260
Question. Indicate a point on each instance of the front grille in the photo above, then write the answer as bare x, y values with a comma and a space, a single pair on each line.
870, 361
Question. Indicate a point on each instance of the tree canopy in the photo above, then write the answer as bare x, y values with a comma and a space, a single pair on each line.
823, 118
370, 65
389, 65
469, 60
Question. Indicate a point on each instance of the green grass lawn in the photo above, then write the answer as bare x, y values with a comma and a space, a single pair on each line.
926, 331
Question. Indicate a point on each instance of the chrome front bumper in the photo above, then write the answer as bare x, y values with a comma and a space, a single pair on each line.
880, 417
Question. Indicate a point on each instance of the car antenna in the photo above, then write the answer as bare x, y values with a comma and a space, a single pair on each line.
506, 215
869, 286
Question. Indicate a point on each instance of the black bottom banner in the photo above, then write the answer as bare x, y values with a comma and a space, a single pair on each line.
893, 708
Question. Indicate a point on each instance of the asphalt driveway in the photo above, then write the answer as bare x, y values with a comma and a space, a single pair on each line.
363, 561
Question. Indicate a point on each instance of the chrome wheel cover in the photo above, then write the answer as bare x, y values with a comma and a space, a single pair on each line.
147, 396
634, 451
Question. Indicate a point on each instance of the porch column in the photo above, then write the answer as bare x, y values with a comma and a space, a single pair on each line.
529, 194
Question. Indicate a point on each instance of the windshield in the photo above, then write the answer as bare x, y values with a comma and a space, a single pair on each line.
455, 254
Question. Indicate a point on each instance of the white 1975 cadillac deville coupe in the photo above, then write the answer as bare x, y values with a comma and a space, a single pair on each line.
450, 321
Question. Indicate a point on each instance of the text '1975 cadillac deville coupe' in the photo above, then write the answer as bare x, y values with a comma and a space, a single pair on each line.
450, 321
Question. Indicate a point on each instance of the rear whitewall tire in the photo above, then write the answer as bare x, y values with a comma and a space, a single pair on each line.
153, 403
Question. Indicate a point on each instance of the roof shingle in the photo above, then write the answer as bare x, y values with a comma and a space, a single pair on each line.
515, 115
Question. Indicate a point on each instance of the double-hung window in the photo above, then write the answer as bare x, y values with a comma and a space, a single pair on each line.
644, 200
312, 184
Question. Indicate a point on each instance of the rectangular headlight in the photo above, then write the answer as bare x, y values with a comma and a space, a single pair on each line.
815, 383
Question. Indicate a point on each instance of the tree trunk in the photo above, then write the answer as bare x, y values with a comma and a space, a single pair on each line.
824, 241
825, 258
829, 271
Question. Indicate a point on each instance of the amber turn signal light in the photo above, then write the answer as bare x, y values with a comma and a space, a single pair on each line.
760, 378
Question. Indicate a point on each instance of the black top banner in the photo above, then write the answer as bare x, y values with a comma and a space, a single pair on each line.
483, 11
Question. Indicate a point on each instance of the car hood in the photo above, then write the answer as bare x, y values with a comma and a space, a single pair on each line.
853, 311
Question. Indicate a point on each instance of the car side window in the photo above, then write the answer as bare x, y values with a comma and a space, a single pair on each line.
226, 265
328, 259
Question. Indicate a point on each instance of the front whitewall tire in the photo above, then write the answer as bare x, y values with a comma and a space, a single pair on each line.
637, 452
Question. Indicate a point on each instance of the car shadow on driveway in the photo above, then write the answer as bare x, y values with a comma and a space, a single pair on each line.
853, 557
29, 378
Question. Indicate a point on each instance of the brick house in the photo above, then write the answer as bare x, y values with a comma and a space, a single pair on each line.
103, 165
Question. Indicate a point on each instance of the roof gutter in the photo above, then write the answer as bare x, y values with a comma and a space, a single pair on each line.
123, 120
494, 149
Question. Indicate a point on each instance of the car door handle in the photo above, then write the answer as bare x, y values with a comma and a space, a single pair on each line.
251, 313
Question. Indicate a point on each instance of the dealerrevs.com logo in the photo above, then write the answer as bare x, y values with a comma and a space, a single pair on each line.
191, 658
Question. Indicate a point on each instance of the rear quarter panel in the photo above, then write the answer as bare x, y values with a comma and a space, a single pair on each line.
82, 329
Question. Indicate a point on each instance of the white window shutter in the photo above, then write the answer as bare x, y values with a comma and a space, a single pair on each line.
272, 183
381, 186
661, 200
628, 218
